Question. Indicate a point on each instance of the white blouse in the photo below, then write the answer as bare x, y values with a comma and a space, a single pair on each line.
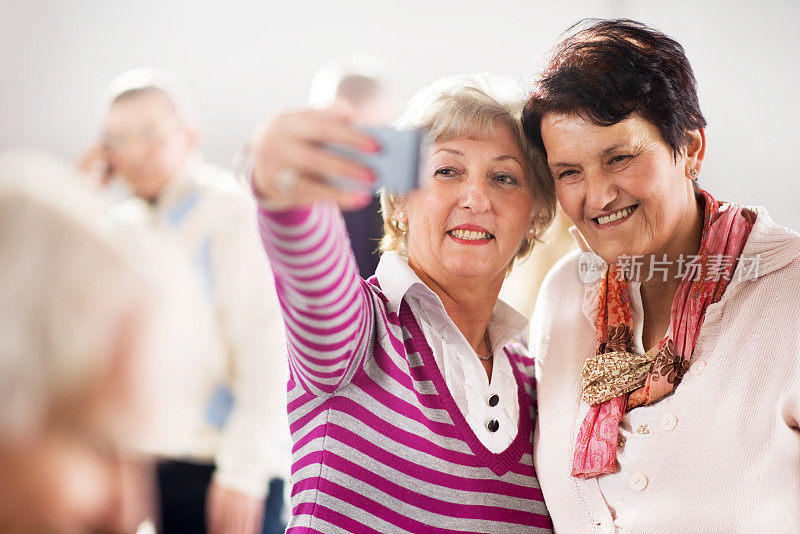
463, 372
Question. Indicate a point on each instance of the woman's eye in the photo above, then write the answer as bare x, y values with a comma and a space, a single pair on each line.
506, 179
566, 174
447, 172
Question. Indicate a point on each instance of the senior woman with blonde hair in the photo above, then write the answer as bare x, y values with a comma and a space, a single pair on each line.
410, 404
669, 383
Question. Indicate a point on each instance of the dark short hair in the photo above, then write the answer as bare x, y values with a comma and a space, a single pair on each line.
607, 70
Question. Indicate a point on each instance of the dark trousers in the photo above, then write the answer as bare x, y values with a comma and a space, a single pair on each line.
182, 488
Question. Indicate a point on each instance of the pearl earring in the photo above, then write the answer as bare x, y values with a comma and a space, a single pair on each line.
401, 225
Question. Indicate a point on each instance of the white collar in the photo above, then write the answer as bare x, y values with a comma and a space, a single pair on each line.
775, 245
397, 279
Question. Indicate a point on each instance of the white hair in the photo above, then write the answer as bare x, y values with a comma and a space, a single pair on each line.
149, 79
446, 106
74, 307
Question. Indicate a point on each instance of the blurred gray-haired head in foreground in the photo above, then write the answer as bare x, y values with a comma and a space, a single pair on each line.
84, 352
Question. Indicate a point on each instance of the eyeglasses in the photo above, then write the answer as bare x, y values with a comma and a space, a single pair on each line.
148, 136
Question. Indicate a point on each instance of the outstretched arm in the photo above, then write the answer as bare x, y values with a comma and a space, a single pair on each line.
325, 304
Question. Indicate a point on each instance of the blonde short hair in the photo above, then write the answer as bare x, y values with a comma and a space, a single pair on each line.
471, 106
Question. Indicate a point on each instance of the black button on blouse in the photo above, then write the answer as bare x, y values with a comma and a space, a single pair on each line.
493, 425
493, 400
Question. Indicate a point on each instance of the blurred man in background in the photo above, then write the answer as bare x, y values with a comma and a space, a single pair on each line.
234, 452
358, 82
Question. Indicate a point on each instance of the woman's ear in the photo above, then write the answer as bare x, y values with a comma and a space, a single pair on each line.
695, 152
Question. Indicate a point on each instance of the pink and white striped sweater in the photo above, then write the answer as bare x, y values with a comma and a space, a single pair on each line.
379, 444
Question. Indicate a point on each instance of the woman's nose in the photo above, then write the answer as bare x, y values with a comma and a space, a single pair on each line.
476, 196
600, 191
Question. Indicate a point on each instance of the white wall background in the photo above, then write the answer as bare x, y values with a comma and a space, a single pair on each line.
243, 59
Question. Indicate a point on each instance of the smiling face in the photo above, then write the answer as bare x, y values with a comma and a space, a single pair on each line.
621, 187
469, 218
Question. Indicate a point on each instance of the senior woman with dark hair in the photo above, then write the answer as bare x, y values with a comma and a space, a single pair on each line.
669, 384
410, 405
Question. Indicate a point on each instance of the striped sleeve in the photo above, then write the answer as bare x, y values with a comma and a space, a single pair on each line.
325, 304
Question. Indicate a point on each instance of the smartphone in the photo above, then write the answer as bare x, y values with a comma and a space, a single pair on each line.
396, 165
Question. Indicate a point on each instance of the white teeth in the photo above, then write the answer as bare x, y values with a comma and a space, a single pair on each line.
617, 215
470, 235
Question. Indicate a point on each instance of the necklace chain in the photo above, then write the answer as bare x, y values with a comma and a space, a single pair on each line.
488, 345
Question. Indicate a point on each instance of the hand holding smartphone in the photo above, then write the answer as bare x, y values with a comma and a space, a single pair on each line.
396, 165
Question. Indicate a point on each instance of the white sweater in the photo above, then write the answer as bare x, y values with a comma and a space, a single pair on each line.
722, 454
232, 395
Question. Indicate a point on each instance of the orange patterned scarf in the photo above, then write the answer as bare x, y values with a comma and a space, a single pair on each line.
615, 380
